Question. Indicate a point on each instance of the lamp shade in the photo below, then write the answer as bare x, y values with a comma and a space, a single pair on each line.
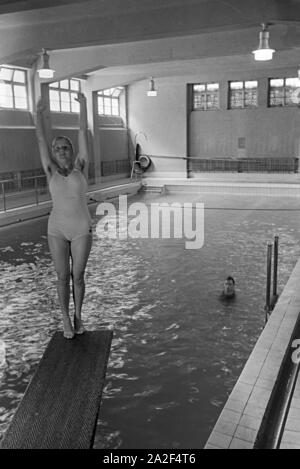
264, 52
152, 91
45, 71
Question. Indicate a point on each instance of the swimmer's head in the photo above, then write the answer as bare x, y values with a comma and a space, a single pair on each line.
63, 150
229, 284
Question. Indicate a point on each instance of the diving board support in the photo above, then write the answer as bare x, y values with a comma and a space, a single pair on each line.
60, 407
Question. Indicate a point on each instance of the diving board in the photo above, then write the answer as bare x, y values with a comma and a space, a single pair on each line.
60, 407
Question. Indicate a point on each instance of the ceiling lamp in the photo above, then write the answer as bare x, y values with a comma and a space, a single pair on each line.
152, 91
264, 52
45, 71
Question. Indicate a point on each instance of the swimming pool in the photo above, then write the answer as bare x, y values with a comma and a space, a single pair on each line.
178, 349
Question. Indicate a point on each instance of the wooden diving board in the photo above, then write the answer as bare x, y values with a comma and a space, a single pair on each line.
60, 407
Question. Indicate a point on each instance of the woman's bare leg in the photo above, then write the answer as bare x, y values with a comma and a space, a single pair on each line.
60, 251
80, 250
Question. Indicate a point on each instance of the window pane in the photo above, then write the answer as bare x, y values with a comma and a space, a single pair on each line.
19, 76
200, 101
236, 85
199, 88
107, 92
54, 100
107, 106
291, 86
64, 84
251, 97
65, 101
6, 99
54, 95
277, 82
74, 85
65, 106
100, 105
292, 82
6, 73
64, 96
212, 86
251, 84
54, 85
236, 99
115, 107
20, 91
75, 106
54, 106
21, 103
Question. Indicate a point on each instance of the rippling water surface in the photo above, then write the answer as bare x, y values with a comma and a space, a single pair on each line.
178, 349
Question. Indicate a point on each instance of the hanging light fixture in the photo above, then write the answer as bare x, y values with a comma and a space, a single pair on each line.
152, 91
45, 71
264, 52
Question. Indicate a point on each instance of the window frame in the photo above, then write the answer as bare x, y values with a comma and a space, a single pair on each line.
284, 97
243, 90
206, 92
13, 83
103, 94
60, 89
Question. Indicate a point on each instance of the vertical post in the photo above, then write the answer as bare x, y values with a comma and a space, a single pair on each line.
268, 289
3, 193
275, 267
36, 190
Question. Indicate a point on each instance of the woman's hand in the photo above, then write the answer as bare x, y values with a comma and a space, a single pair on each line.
81, 98
41, 106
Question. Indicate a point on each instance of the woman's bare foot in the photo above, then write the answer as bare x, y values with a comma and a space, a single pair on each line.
78, 326
68, 329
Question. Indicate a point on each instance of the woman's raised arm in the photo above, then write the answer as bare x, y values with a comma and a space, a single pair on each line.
45, 154
82, 160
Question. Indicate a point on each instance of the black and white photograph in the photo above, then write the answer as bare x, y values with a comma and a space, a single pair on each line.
149, 227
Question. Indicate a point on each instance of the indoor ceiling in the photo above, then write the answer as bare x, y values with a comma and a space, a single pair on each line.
127, 40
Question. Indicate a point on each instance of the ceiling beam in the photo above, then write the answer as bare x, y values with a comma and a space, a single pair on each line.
8, 6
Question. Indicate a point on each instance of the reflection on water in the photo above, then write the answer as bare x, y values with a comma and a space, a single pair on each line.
178, 349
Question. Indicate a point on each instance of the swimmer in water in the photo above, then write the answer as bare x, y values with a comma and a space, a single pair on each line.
228, 290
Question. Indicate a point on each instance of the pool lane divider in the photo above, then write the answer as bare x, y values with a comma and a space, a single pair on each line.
61, 404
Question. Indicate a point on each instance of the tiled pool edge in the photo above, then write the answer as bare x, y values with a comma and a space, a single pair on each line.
241, 417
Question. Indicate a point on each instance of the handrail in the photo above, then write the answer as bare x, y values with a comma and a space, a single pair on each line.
34, 189
273, 424
23, 178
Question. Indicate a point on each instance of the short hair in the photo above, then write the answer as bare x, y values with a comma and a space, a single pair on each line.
65, 138
231, 278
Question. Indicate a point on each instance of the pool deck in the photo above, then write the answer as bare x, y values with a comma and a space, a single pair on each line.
240, 420
97, 192
229, 183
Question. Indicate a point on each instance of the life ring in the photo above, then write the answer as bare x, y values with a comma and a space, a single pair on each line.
145, 162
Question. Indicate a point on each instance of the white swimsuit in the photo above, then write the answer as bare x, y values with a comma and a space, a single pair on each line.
70, 218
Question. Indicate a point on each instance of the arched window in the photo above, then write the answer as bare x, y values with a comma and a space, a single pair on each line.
109, 102
62, 96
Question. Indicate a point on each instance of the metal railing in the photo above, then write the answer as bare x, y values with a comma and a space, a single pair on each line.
244, 165
271, 300
273, 424
27, 192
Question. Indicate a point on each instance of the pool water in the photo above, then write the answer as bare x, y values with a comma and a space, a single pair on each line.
178, 348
